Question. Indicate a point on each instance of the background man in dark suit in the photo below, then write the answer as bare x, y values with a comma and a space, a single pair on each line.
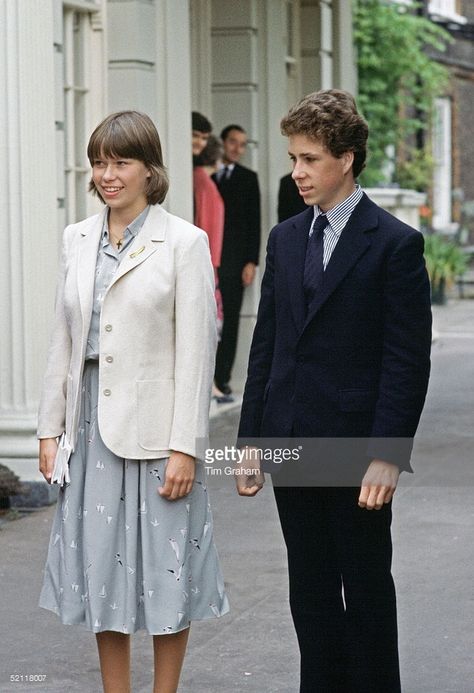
340, 351
239, 188
290, 201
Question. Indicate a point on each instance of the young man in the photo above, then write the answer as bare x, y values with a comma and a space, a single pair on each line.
239, 188
340, 353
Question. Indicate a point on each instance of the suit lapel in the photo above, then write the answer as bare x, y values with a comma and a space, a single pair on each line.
295, 253
86, 263
145, 243
352, 244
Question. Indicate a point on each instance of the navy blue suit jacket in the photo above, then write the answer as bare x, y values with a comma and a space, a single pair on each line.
357, 363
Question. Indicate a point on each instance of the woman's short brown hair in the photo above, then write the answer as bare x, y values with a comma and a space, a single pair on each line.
211, 153
131, 135
331, 117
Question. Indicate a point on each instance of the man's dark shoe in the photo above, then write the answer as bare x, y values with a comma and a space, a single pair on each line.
224, 399
225, 388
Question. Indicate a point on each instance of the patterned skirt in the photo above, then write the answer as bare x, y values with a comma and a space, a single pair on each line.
120, 556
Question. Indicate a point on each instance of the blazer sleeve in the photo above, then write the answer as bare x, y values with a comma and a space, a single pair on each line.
195, 347
52, 408
406, 353
253, 226
261, 354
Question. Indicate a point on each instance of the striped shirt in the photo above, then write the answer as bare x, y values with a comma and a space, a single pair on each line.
337, 218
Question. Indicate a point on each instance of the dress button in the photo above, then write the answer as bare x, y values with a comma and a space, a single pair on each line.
107, 393
108, 328
109, 359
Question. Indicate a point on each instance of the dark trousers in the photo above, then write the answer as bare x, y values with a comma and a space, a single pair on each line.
232, 293
342, 596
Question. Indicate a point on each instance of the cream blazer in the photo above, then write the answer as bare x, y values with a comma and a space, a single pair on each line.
157, 339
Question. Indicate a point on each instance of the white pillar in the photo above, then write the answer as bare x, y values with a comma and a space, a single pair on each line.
28, 211
201, 57
149, 70
344, 65
173, 83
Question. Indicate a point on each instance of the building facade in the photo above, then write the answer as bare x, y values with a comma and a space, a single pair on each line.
67, 63
453, 146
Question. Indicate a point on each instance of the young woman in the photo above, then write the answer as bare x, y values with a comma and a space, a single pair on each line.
126, 390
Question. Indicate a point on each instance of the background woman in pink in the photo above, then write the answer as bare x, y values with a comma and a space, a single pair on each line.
209, 216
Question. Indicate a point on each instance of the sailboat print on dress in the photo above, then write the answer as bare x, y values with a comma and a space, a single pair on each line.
175, 547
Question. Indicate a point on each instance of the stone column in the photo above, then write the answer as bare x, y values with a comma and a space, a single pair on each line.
30, 239
149, 70
173, 83
344, 66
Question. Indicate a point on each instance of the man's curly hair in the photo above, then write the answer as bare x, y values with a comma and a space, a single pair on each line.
331, 117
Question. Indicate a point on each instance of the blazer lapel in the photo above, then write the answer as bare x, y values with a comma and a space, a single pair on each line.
350, 247
145, 244
296, 252
86, 263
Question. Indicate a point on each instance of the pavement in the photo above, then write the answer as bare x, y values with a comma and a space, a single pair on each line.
253, 649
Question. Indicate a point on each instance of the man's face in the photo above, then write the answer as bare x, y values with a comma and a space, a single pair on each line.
234, 146
321, 178
199, 141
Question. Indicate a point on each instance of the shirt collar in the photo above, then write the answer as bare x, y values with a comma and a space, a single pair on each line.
339, 215
132, 229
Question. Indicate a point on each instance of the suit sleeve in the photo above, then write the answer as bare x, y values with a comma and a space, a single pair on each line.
261, 353
52, 409
406, 354
253, 225
195, 347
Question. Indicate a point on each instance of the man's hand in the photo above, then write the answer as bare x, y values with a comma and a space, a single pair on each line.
48, 448
378, 485
248, 477
179, 476
248, 273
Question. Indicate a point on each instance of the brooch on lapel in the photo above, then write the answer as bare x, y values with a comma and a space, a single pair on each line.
137, 252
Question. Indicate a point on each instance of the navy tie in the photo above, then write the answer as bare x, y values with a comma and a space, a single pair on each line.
313, 264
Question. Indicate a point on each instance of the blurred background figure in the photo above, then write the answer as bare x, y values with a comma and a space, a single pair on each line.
239, 188
201, 129
290, 201
209, 216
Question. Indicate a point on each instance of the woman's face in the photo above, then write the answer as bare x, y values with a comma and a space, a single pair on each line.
121, 183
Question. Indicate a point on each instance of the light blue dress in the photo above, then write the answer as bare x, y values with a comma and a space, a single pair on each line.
120, 556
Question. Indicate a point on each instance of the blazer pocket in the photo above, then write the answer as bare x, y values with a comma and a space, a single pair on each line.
357, 400
155, 409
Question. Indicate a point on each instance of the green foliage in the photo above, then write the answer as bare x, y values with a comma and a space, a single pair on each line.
396, 75
415, 172
444, 261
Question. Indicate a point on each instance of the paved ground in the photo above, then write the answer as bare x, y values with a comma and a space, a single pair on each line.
253, 649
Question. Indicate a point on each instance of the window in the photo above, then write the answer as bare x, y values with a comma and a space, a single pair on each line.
445, 11
442, 183
81, 70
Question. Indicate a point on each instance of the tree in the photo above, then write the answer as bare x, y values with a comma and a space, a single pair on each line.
398, 82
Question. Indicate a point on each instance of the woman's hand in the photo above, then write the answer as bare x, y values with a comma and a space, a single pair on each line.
179, 476
47, 453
